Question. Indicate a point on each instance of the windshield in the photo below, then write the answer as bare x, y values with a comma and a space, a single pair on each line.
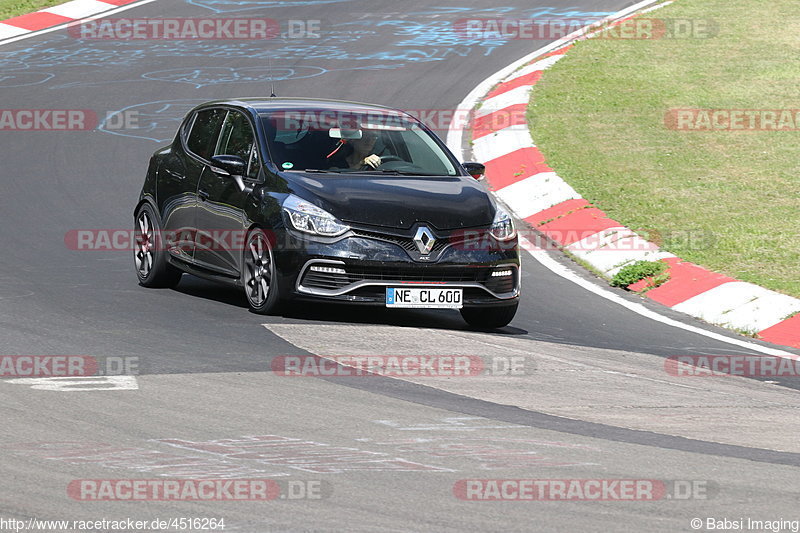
348, 142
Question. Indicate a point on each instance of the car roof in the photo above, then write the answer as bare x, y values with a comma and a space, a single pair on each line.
270, 104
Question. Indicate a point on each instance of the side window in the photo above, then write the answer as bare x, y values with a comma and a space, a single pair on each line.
205, 130
254, 164
237, 139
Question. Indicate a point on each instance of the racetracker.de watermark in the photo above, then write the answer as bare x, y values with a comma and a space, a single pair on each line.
184, 29
636, 28
704, 366
387, 120
148, 490
467, 240
586, 490
47, 119
62, 366
732, 119
400, 366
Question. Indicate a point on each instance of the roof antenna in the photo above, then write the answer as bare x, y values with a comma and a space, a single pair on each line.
271, 81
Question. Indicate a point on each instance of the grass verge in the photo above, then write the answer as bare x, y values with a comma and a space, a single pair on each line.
727, 200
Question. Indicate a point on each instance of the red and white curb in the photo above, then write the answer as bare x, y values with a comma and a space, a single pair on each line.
60, 16
518, 173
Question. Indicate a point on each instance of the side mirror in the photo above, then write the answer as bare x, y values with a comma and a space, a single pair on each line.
476, 170
228, 165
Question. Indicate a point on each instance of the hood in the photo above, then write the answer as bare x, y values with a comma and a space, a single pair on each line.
400, 201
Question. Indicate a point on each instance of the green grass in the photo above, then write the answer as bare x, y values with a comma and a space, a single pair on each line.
12, 8
729, 201
638, 271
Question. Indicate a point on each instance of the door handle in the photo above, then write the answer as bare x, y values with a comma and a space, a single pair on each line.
203, 195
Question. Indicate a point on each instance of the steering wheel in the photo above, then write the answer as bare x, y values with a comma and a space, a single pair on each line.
388, 158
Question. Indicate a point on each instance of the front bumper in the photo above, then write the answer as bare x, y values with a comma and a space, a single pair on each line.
358, 267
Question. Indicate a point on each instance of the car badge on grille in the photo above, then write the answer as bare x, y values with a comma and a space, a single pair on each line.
424, 240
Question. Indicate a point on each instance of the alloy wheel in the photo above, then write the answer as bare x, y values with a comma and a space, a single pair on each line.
258, 269
143, 255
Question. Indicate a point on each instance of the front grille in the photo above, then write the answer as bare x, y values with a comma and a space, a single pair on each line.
333, 281
405, 242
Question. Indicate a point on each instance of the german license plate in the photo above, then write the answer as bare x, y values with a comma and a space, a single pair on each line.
424, 298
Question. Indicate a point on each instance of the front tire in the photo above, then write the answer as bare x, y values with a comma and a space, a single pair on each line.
149, 255
259, 275
489, 317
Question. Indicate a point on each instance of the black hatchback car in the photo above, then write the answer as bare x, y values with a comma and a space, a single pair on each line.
305, 199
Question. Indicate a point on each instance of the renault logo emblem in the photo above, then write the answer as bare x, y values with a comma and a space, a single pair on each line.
424, 240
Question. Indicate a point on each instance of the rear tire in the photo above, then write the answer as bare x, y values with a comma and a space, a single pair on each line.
489, 317
259, 275
149, 253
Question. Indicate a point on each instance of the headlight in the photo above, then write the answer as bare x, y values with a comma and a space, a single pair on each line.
503, 226
308, 218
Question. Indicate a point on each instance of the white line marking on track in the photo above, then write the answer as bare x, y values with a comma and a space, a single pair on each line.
502, 142
551, 264
536, 193
455, 134
78, 9
520, 95
449, 424
542, 64
455, 139
740, 305
79, 384
62, 26
8, 31
611, 249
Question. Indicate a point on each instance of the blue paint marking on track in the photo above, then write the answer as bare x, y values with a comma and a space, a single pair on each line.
24, 78
12, 64
540, 12
205, 76
430, 39
233, 6
157, 121
202, 76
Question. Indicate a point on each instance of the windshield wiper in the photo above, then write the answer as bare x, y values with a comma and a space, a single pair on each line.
390, 171
319, 171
